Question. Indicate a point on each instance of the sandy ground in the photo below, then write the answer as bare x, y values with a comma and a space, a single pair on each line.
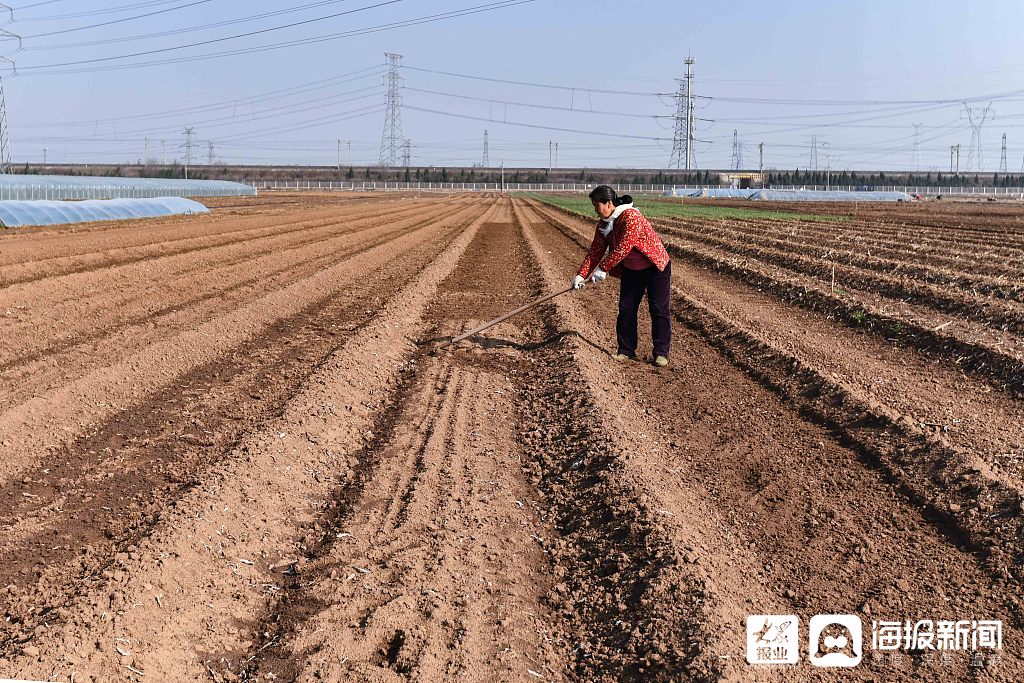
229, 450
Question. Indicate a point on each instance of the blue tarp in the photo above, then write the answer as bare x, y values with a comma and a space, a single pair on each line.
790, 195
830, 196
15, 214
711, 192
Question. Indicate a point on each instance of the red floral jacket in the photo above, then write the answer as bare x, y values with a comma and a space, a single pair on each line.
630, 229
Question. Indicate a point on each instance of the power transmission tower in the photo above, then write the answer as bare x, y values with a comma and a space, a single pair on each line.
5, 140
486, 162
339, 155
391, 140
163, 143
209, 154
735, 150
954, 153
1002, 156
551, 146
682, 141
976, 117
917, 147
760, 165
813, 162
188, 149
406, 152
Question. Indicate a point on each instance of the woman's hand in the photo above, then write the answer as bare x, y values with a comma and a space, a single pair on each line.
598, 275
578, 282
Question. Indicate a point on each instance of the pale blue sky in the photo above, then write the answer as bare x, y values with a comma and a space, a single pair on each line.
290, 105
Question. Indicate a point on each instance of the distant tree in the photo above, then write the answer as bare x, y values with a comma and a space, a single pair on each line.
407, 175
351, 173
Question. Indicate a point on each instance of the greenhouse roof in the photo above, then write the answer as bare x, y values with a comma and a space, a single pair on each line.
15, 213
97, 187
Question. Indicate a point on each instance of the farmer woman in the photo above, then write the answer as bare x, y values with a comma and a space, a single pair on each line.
637, 257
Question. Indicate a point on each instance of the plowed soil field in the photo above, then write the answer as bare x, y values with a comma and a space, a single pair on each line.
231, 449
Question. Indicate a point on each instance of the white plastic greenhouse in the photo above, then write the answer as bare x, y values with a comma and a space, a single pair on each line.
95, 187
42, 212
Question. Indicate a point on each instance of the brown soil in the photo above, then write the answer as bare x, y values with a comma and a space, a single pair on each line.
230, 451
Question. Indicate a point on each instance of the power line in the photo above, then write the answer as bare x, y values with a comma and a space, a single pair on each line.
333, 100
90, 13
530, 105
118, 21
235, 103
537, 85
39, 4
53, 69
534, 125
917, 147
188, 29
206, 42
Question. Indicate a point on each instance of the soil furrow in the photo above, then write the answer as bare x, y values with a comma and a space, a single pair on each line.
994, 359
71, 355
908, 264
167, 285
118, 254
794, 505
34, 427
274, 483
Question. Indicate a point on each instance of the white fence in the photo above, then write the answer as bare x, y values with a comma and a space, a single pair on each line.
326, 185
368, 185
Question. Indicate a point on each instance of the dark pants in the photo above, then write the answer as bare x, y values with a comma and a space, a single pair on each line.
632, 285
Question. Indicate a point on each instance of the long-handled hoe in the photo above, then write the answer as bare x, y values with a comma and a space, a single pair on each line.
502, 318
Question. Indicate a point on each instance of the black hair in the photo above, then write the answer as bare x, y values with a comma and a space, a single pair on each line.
605, 193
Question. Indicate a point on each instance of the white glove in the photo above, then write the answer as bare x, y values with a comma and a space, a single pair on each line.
578, 282
598, 275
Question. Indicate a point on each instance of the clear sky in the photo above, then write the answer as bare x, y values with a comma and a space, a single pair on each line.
95, 80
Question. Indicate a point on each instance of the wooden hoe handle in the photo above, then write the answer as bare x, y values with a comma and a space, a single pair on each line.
508, 315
